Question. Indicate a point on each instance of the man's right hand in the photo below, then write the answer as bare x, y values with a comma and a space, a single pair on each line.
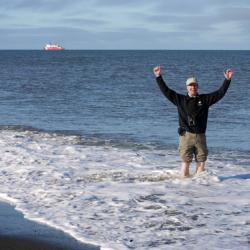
157, 71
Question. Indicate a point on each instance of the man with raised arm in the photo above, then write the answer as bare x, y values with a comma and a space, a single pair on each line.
193, 113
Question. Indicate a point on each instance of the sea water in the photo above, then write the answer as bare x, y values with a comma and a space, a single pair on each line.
89, 145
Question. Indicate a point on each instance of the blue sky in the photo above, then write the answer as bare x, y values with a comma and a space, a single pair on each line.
125, 24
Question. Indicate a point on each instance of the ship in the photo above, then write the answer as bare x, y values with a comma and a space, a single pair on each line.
51, 46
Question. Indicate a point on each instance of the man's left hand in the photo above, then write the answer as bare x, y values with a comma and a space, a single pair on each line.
228, 74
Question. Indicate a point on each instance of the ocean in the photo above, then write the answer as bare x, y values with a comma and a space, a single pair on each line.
89, 145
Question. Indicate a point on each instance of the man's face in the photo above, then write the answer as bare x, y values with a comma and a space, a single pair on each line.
192, 89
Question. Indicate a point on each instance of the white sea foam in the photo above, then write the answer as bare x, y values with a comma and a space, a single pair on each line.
122, 197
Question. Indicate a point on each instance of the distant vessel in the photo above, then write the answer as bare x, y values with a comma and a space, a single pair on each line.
51, 46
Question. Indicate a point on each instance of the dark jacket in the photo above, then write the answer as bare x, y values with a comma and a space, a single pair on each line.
193, 111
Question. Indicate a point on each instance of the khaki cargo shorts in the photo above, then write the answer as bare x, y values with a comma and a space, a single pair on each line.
193, 145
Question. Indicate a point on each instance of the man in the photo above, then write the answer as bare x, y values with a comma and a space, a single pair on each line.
193, 114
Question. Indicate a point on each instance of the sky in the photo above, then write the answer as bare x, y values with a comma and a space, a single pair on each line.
125, 24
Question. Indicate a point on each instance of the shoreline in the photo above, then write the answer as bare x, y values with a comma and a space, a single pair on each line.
16, 232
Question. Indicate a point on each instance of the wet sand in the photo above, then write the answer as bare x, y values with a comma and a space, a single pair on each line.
18, 233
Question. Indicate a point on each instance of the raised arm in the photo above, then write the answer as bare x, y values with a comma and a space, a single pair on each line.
217, 95
169, 93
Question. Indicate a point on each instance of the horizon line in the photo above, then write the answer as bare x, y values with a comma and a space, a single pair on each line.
10, 49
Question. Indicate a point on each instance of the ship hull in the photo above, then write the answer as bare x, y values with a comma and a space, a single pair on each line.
54, 49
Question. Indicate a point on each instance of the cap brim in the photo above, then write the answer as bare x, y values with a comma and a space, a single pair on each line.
192, 83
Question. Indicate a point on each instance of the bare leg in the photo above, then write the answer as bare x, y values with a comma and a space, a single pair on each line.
185, 169
200, 167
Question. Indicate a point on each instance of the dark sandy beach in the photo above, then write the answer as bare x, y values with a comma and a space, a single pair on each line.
17, 233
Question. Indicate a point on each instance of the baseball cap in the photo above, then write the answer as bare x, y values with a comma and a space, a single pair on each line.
191, 80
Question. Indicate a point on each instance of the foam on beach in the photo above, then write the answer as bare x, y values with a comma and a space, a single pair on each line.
121, 196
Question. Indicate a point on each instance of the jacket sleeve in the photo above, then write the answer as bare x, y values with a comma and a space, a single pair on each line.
169, 93
215, 96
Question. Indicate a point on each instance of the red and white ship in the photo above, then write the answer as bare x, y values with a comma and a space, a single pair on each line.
51, 46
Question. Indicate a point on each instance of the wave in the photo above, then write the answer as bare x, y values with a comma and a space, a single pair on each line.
116, 140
